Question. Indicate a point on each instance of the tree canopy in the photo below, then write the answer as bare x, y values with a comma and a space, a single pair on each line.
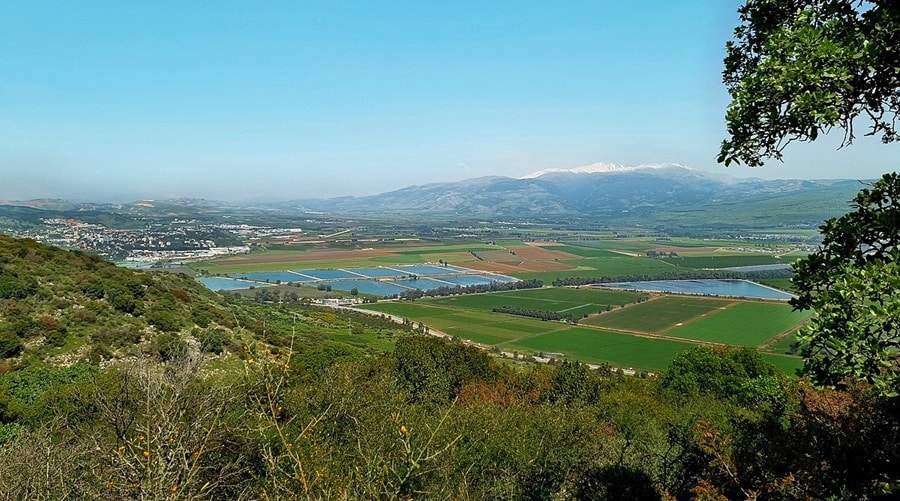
853, 284
798, 68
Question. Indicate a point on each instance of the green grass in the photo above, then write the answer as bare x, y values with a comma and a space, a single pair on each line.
469, 317
476, 325
597, 346
559, 299
786, 363
656, 315
782, 345
777, 283
744, 324
724, 261
620, 266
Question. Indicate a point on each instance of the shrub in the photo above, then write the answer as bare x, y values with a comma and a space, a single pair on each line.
10, 344
168, 347
212, 341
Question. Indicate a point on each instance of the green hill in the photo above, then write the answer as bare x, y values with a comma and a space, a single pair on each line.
67, 306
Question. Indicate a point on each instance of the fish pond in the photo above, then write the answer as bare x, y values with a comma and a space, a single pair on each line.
730, 288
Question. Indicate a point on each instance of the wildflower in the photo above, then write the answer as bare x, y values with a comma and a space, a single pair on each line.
289, 445
121, 448
174, 489
403, 429
146, 454
249, 360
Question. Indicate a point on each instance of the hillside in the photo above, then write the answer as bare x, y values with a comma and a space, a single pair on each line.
307, 404
67, 305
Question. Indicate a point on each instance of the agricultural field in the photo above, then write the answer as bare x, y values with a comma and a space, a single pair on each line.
631, 331
725, 261
577, 302
657, 316
639, 333
598, 346
747, 323
546, 261
362, 255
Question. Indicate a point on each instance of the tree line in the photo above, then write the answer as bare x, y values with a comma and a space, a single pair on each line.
541, 314
686, 275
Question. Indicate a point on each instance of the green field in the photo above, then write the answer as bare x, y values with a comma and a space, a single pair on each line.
777, 283
744, 324
725, 261
598, 346
657, 315
558, 299
783, 344
476, 325
620, 266
643, 335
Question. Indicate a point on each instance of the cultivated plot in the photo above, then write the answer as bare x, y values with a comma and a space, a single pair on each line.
725, 261
597, 346
743, 324
657, 315
647, 345
576, 302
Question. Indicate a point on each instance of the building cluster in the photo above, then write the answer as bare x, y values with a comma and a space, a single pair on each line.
176, 243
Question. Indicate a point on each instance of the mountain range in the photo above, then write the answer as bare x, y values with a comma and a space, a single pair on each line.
662, 194
599, 189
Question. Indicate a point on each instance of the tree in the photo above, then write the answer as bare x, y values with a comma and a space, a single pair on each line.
798, 68
853, 285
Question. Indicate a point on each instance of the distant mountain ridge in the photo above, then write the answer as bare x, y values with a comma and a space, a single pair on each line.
592, 190
641, 194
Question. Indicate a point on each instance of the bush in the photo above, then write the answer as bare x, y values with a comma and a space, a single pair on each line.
164, 320
212, 341
10, 344
167, 347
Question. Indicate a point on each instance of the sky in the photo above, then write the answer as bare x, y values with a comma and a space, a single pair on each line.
289, 100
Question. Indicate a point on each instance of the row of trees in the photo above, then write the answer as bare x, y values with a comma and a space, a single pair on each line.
675, 275
532, 313
472, 289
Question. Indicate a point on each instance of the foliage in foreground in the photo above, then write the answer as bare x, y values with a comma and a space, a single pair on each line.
853, 285
437, 420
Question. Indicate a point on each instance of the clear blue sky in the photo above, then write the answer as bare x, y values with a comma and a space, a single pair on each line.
313, 99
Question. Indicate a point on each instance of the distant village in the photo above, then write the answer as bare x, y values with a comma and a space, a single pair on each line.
175, 244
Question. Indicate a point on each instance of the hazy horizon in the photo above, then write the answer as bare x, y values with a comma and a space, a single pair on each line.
307, 100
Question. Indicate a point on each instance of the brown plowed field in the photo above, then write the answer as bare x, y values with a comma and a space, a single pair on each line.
499, 256
536, 253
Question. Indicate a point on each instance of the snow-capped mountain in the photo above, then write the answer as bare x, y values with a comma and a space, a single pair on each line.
604, 167
596, 190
